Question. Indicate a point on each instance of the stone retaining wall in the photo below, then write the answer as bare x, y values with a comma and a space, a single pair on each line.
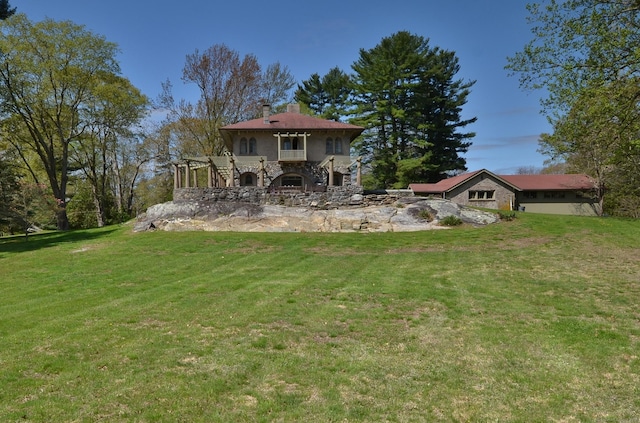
333, 197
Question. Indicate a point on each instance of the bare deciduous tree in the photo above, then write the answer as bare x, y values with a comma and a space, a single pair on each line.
231, 89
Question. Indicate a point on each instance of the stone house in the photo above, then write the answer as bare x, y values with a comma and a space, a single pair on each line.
284, 152
556, 194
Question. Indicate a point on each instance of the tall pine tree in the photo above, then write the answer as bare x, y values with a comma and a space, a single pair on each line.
327, 96
6, 10
407, 98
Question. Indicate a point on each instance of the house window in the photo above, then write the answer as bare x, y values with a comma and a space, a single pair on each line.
292, 180
248, 179
243, 146
553, 194
329, 146
333, 146
530, 195
290, 143
248, 147
481, 195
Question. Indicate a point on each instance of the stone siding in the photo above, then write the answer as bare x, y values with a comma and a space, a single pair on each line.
333, 197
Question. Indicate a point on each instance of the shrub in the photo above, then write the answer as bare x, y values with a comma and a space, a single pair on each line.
425, 214
451, 220
507, 215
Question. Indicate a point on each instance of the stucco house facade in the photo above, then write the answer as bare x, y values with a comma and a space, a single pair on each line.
572, 194
287, 151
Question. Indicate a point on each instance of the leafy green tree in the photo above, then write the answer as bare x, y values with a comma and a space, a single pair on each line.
586, 55
577, 44
116, 108
9, 187
328, 96
407, 98
599, 136
31, 207
49, 75
6, 10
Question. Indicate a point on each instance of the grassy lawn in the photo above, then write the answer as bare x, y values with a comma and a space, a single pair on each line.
532, 320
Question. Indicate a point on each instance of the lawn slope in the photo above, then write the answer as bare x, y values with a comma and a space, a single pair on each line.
537, 319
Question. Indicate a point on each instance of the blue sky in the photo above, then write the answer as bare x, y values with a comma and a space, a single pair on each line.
155, 36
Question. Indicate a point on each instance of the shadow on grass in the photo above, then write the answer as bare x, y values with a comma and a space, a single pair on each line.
20, 243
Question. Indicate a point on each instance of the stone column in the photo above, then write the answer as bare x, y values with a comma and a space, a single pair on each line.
331, 171
176, 176
359, 171
261, 173
195, 178
187, 176
305, 146
232, 173
210, 175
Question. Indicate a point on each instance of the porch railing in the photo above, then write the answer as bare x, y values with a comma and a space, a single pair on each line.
292, 155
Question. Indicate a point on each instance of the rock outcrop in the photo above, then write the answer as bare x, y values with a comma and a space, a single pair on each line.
405, 214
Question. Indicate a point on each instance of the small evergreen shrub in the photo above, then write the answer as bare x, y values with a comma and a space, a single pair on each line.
425, 215
507, 215
451, 220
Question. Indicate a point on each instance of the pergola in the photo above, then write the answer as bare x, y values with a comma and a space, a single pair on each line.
220, 170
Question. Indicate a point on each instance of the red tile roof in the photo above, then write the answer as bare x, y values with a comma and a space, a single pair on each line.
518, 182
550, 182
292, 121
443, 185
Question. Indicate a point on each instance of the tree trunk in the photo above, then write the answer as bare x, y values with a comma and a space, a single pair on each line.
98, 208
117, 185
99, 219
61, 218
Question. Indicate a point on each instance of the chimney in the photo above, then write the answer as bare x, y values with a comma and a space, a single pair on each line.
266, 111
293, 108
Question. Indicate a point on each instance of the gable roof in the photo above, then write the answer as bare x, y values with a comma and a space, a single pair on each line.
551, 182
293, 121
517, 182
448, 184
443, 185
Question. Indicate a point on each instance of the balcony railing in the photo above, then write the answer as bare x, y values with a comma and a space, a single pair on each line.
292, 155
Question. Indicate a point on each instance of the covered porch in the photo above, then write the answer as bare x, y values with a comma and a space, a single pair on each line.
224, 171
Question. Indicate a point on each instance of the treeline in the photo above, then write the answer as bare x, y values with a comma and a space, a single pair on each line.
82, 147
403, 92
406, 95
71, 127
79, 147
586, 55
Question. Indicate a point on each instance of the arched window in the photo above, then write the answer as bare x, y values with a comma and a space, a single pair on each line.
243, 146
248, 180
253, 149
333, 146
291, 180
329, 146
338, 146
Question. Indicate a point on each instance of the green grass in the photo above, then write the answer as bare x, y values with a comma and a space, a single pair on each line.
535, 320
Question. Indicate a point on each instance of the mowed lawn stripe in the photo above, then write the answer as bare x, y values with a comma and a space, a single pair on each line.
530, 320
